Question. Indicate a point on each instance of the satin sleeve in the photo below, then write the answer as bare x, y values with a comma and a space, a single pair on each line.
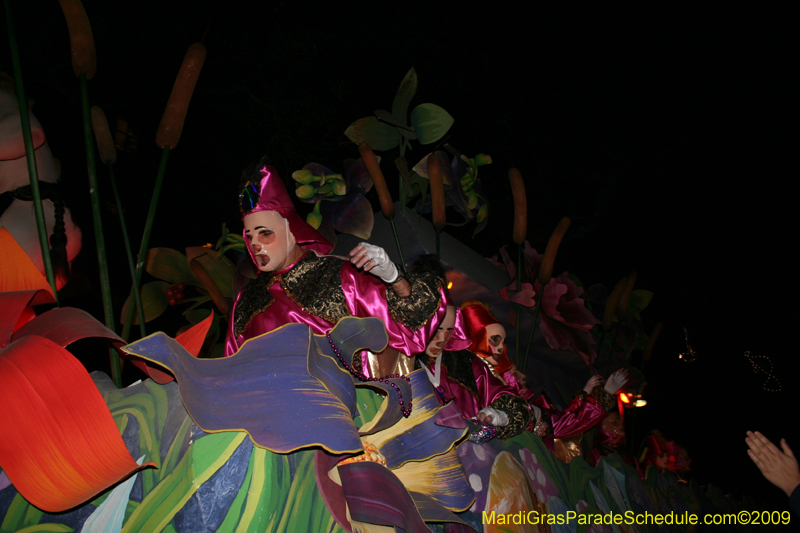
579, 416
410, 322
231, 342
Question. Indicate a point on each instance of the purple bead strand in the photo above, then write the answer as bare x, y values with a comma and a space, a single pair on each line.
363, 377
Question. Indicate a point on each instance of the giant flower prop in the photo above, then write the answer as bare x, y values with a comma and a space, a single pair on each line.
566, 322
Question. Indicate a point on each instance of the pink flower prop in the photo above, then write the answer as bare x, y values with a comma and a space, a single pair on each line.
566, 322
526, 296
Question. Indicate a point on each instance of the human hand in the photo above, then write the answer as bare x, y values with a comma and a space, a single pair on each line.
490, 415
375, 260
779, 467
616, 380
594, 381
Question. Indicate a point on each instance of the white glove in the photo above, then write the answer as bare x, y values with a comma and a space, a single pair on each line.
375, 260
499, 418
616, 381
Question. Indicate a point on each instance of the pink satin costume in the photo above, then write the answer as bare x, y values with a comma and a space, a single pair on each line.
365, 296
489, 389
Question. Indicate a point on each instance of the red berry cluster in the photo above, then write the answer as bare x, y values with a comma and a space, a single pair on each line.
175, 293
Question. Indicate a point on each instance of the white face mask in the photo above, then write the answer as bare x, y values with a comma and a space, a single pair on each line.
443, 334
269, 239
496, 334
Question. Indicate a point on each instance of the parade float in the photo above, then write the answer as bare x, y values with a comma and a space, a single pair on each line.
205, 443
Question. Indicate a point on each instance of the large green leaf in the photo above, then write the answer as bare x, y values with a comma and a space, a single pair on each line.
154, 300
20, 514
219, 267
639, 300
378, 135
204, 458
406, 91
431, 122
268, 492
47, 528
169, 265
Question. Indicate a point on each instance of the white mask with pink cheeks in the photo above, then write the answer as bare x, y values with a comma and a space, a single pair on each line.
443, 333
270, 242
496, 334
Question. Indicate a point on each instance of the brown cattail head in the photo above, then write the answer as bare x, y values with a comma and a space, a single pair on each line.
102, 134
612, 302
546, 268
171, 126
626, 294
81, 42
520, 205
437, 192
375, 172
651, 342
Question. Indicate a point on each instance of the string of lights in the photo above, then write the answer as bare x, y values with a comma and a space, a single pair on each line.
758, 368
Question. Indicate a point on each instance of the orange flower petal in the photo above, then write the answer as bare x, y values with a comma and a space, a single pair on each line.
60, 445
18, 273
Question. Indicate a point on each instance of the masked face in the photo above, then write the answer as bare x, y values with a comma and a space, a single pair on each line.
661, 461
442, 335
271, 243
496, 335
612, 424
686, 461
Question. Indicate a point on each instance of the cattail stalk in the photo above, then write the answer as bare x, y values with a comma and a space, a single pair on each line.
108, 155
546, 272
30, 156
520, 206
651, 342
519, 234
437, 197
378, 180
81, 41
546, 268
384, 196
171, 125
167, 137
84, 64
97, 219
626, 294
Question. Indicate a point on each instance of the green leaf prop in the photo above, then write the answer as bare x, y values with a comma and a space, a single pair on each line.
219, 267
169, 265
431, 122
406, 91
161, 504
378, 135
20, 514
154, 301
638, 301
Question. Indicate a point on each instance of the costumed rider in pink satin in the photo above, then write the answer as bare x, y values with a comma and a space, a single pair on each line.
562, 431
298, 283
462, 377
609, 438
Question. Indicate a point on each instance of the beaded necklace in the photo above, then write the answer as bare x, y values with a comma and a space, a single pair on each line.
364, 377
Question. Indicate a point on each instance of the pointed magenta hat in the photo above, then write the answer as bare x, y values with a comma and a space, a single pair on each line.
269, 194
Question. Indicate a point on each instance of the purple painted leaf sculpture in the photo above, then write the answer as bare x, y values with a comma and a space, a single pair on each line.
374, 495
354, 215
268, 377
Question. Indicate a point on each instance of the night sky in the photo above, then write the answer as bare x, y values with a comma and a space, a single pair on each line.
668, 136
